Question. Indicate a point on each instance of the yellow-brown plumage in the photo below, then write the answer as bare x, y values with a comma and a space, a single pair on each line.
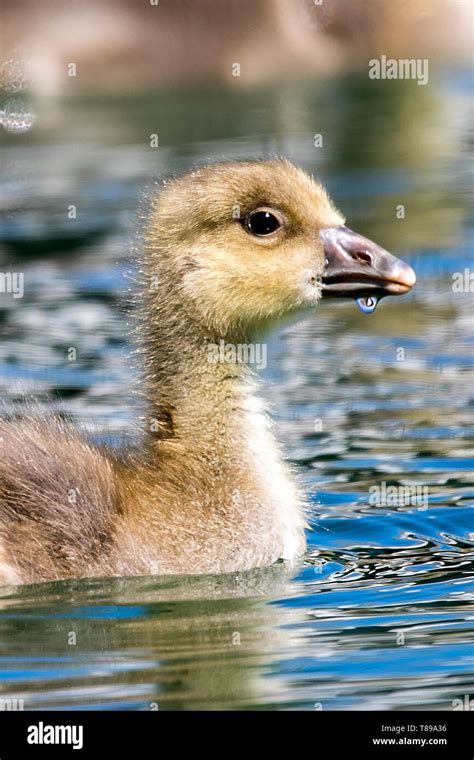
207, 489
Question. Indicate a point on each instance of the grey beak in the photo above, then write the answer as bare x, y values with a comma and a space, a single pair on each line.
357, 268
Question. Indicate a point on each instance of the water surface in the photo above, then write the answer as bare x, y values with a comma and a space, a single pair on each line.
380, 615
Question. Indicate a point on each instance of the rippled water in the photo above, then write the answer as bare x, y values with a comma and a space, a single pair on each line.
380, 615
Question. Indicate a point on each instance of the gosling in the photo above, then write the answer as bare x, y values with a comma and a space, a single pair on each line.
230, 251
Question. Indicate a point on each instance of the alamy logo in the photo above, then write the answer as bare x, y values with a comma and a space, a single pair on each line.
404, 68
238, 353
398, 496
46, 734
463, 282
12, 282
463, 704
12, 704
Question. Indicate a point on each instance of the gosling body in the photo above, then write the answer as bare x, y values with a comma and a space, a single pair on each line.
229, 251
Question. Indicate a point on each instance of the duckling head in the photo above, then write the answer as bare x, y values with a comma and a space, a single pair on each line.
245, 244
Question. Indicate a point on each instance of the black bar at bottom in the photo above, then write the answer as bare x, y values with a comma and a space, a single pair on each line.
149, 734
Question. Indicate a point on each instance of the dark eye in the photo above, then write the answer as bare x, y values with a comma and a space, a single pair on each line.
263, 221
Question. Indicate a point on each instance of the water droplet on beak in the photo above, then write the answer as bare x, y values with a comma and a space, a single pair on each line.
367, 304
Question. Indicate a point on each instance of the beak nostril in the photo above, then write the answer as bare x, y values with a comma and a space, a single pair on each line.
363, 256
359, 267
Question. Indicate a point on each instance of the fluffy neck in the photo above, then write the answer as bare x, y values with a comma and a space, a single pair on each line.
199, 398
211, 451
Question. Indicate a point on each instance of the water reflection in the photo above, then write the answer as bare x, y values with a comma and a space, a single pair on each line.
151, 643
